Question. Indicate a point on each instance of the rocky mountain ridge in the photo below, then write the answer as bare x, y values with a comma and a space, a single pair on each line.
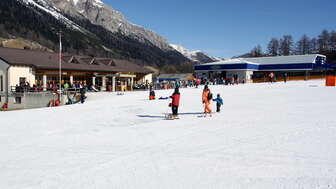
101, 14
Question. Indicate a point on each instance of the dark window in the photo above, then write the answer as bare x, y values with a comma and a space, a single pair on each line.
22, 80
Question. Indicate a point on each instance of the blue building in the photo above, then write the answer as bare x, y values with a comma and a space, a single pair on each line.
253, 69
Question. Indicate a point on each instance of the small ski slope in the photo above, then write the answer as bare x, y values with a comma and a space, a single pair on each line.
267, 136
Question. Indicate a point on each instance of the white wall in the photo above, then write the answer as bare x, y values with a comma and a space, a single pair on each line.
148, 77
3, 69
246, 75
15, 72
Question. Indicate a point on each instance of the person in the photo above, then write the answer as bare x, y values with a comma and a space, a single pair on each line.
66, 86
198, 82
4, 107
206, 99
152, 95
285, 77
82, 95
175, 102
271, 77
219, 102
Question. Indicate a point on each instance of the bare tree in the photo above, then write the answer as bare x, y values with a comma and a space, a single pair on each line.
314, 45
257, 51
303, 46
273, 47
324, 41
286, 45
333, 40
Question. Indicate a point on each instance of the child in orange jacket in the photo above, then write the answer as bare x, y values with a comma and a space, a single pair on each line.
206, 99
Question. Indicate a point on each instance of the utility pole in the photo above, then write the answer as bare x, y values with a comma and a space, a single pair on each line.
60, 65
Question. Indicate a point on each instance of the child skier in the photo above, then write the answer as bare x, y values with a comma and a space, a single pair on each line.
175, 102
219, 102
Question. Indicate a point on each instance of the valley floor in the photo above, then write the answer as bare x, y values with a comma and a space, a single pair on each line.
267, 136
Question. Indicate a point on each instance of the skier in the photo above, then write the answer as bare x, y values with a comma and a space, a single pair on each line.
219, 102
206, 99
175, 102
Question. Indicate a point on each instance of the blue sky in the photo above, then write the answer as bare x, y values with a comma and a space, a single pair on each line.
228, 28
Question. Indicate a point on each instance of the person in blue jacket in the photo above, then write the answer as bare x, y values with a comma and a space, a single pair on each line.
219, 102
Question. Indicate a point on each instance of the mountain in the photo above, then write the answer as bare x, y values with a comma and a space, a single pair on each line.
101, 14
197, 56
41, 20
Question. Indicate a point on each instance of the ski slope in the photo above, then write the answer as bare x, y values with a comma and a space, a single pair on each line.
267, 136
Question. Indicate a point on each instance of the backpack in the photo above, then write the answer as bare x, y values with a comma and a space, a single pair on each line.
209, 96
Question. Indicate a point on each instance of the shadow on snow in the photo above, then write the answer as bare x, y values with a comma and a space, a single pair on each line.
162, 117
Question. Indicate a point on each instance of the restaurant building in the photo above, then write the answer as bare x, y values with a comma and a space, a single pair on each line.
41, 71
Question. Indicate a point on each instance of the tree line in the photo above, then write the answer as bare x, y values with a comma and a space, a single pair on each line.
325, 43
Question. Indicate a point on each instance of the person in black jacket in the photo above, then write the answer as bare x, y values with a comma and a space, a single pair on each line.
82, 95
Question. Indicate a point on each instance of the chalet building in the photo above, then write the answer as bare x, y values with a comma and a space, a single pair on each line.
41, 69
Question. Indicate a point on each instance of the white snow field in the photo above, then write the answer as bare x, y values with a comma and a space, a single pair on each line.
267, 136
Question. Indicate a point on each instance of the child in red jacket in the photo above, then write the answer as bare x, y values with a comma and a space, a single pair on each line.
175, 102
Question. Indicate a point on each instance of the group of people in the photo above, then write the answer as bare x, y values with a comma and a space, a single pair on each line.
272, 77
207, 98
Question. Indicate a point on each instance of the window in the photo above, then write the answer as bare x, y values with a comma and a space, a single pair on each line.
22, 80
1, 83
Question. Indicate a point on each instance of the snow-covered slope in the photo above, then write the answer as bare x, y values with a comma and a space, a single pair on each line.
267, 136
44, 5
196, 56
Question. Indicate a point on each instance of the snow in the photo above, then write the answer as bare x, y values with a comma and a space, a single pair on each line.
267, 136
187, 53
55, 12
74, 1
192, 55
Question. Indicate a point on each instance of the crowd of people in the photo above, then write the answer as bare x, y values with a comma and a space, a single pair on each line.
52, 86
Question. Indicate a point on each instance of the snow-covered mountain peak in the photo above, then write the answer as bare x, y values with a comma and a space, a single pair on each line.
104, 15
196, 56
